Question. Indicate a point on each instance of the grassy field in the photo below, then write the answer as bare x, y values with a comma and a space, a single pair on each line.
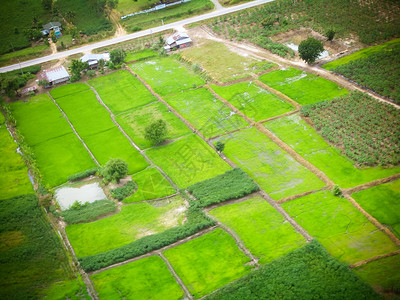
125, 7
382, 202
202, 275
121, 91
134, 122
205, 112
130, 224
147, 278
383, 275
302, 87
141, 54
272, 168
14, 179
24, 54
256, 103
68, 89
179, 78
151, 185
262, 229
230, 66
188, 160
309, 144
339, 227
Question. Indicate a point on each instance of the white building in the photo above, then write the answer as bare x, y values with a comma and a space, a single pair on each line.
54, 75
93, 59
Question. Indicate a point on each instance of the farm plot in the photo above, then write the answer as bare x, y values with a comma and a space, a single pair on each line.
255, 102
58, 151
272, 168
208, 262
383, 203
343, 230
147, 278
262, 229
130, 224
121, 91
309, 144
141, 54
151, 185
188, 160
134, 123
93, 123
14, 179
205, 112
302, 87
230, 66
68, 89
166, 75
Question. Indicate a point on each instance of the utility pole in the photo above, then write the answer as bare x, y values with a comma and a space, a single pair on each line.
20, 68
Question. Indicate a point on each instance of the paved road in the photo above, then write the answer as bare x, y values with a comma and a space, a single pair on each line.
218, 12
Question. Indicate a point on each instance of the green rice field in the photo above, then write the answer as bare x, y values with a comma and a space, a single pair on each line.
273, 169
261, 228
343, 230
202, 275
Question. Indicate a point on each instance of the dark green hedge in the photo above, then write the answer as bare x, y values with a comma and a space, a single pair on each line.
306, 273
83, 174
88, 212
232, 184
124, 191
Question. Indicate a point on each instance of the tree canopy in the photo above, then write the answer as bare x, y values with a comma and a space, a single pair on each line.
156, 132
114, 169
310, 49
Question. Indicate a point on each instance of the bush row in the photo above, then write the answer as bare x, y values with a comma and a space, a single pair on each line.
196, 221
83, 174
122, 192
232, 184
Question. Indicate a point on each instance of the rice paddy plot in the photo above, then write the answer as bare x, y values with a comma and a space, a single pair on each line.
252, 100
121, 91
130, 224
208, 262
166, 75
263, 230
343, 230
302, 87
147, 278
383, 203
135, 122
279, 174
14, 180
308, 143
151, 185
188, 160
140, 55
205, 112
68, 89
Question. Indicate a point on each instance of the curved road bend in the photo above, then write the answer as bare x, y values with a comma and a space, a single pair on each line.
218, 12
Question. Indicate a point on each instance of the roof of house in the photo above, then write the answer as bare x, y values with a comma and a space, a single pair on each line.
177, 37
94, 58
54, 74
50, 25
184, 41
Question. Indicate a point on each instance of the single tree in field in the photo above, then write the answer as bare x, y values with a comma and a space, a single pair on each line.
156, 132
114, 170
330, 34
310, 49
117, 56
219, 146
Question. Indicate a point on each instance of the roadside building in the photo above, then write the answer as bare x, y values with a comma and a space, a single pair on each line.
56, 26
178, 40
93, 59
54, 75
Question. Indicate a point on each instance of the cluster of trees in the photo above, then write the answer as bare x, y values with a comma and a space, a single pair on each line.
10, 82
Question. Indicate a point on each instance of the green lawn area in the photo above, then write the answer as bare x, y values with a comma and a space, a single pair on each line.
382, 274
230, 66
383, 203
121, 91
68, 89
308, 143
151, 185
141, 54
255, 102
188, 160
130, 224
263, 230
208, 262
166, 75
147, 278
363, 53
302, 87
205, 112
125, 7
339, 227
24, 54
14, 180
135, 121
273, 169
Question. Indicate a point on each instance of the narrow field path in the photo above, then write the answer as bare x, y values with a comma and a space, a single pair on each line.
366, 261
296, 105
371, 184
152, 200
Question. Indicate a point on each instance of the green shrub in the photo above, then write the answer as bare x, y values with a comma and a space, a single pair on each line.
83, 174
336, 191
122, 192
114, 169
88, 212
232, 184
219, 146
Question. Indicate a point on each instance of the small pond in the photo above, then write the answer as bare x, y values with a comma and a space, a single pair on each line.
86, 192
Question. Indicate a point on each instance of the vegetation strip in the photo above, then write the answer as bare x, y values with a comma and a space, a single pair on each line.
372, 259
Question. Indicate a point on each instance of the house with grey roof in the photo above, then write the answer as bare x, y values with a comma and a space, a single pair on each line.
93, 59
56, 26
177, 40
54, 75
